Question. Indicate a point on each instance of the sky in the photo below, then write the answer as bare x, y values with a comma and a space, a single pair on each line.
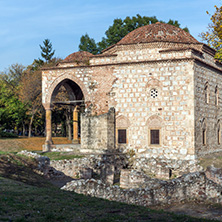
25, 24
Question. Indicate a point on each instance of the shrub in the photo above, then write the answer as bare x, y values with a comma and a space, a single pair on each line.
7, 135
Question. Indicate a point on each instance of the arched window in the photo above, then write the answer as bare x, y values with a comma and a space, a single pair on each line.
218, 133
206, 92
122, 124
204, 132
154, 124
216, 96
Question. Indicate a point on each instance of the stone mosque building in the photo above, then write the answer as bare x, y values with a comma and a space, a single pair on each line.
156, 92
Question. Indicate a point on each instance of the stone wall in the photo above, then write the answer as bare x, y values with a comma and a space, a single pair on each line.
97, 132
164, 168
107, 167
136, 179
136, 187
173, 105
207, 114
194, 186
214, 174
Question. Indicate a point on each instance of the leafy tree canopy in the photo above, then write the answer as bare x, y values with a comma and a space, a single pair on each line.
117, 31
12, 110
12, 76
213, 35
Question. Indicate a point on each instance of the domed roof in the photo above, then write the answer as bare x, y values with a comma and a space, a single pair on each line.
81, 56
158, 32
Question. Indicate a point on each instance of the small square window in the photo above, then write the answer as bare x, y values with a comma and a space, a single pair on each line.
121, 135
153, 93
154, 136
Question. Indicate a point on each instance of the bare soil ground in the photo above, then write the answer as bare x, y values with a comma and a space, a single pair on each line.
24, 143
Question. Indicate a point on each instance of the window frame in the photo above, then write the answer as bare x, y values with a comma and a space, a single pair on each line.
206, 93
126, 141
204, 136
150, 139
154, 136
216, 96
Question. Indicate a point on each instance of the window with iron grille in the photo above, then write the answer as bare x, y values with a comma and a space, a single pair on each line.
155, 136
153, 93
121, 135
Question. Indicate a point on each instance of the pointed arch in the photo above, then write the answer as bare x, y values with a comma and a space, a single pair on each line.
57, 82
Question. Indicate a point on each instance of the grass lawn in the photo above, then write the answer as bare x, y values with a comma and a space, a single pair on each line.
61, 155
23, 202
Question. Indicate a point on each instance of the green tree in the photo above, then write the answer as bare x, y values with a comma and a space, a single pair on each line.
12, 110
177, 24
47, 52
12, 76
213, 35
88, 44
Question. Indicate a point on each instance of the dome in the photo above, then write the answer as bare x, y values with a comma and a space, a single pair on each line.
78, 57
158, 32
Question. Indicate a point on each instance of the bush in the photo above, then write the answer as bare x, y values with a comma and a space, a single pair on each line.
7, 135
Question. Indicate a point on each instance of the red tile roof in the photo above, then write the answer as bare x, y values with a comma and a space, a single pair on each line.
158, 32
81, 56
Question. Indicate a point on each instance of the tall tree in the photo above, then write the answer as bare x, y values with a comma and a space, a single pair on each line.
213, 35
30, 90
47, 51
30, 93
88, 44
119, 29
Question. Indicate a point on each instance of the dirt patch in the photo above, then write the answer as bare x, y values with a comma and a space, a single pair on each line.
24, 143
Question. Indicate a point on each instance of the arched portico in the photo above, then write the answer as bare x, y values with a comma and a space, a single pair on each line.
76, 98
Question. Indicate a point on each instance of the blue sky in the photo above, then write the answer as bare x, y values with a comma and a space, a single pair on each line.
24, 24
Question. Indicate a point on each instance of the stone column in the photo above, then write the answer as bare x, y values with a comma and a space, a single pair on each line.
75, 125
48, 141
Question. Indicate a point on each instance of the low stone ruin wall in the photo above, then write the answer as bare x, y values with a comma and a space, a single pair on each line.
163, 168
104, 166
135, 187
135, 179
107, 167
194, 186
214, 174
